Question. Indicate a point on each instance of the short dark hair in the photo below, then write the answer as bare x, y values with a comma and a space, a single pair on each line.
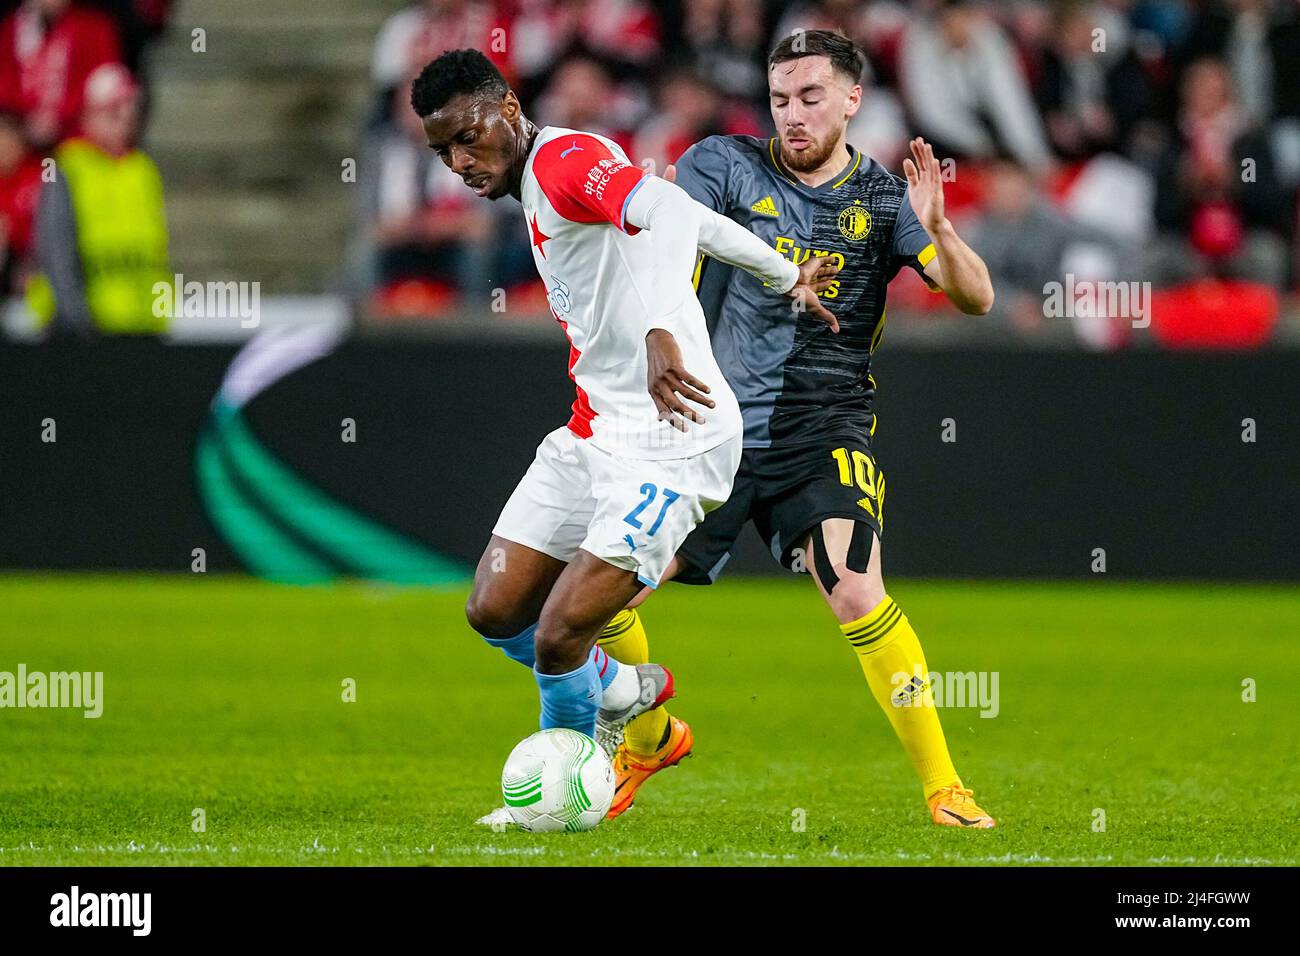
451, 74
845, 55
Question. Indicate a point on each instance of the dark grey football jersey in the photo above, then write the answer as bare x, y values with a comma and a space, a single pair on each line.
797, 382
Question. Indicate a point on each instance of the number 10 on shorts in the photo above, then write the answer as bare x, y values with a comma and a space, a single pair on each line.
864, 473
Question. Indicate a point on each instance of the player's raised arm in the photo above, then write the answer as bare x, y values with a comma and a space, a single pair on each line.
678, 225
706, 170
955, 268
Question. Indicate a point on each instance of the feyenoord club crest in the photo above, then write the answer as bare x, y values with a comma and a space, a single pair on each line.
855, 222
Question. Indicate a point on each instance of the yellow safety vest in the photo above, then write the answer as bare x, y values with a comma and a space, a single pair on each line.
121, 236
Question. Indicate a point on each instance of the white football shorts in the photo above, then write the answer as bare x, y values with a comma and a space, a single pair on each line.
634, 513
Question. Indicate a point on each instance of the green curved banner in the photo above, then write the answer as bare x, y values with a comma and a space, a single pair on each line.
285, 529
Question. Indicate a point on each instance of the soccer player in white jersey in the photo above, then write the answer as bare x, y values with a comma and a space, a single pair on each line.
611, 495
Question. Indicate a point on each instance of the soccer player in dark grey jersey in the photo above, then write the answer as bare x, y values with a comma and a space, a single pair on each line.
808, 478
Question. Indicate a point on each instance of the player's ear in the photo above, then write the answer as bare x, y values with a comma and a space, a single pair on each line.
510, 108
854, 102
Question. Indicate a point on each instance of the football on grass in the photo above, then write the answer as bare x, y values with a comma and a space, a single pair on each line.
557, 780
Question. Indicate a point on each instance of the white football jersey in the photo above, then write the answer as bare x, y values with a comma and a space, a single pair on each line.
600, 275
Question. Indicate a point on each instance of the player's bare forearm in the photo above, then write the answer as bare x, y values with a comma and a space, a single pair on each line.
961, 273
955, 269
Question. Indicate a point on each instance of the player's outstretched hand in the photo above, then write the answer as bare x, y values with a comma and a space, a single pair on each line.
815, 276
925, 185
669, 383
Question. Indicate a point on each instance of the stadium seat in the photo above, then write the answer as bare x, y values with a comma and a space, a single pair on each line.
414, 298
1215, 314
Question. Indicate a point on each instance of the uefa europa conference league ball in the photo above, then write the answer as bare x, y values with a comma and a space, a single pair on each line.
557, 780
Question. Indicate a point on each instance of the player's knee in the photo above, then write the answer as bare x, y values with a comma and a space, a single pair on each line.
560, 645
492, 618
855, 595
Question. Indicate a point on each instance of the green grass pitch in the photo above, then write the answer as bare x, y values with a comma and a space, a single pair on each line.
226, 694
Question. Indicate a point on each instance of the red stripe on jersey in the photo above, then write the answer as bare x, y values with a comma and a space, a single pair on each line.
583, 413
584, 181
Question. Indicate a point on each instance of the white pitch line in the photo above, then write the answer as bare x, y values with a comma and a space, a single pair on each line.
722, 856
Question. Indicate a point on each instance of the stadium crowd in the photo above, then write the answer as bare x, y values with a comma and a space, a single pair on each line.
86, 246
1104, 140
1125, 140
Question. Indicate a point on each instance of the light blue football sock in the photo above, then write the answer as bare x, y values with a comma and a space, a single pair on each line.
520, 648
606, 666
571, 700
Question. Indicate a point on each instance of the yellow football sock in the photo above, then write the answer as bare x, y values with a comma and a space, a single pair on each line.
887, 647
624, 639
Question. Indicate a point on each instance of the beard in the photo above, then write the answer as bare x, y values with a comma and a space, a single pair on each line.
809, 158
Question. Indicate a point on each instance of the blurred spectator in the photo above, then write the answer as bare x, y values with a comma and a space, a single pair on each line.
688, 109
878, 26
723, 41
963, 86
415, 35
1160, 24
421, 221
624, 35
1027, 244
879, 128
1109, 194
848, 17
1259, 40
1092, 89
20, 186
1218, 199
582, 96
101, 231
48, 48
139, 24
883, 25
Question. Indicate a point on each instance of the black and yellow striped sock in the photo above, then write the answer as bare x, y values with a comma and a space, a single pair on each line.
624, 639
887, 647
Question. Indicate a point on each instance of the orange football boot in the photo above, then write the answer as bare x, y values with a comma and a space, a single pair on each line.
631, 770
955, 806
